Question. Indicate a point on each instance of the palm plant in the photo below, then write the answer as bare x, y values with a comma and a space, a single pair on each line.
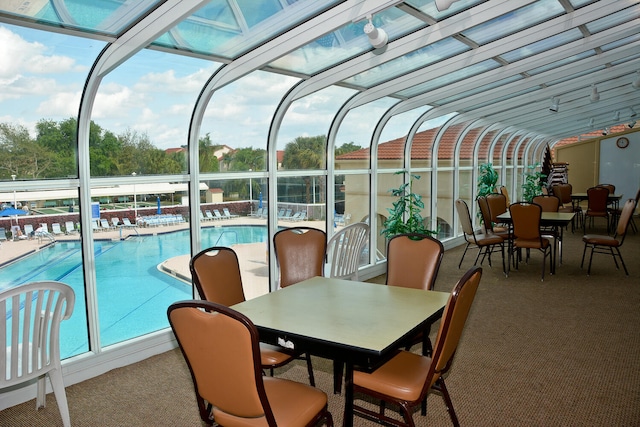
405, 216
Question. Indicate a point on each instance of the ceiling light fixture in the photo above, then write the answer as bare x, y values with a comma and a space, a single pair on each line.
442, 5
636, 82
605, 131
377, 36
632, 124
591, 122
633, 112
555, 103
595, 96
616, 116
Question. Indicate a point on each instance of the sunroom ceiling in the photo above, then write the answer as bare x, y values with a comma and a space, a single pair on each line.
501, 61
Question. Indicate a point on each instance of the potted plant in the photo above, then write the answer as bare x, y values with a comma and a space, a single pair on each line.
404, 216
533, 182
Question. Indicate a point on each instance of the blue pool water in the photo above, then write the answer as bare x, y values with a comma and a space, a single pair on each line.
132, 294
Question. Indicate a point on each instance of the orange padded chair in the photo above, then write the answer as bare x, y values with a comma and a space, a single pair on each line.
597, 198
489, 227
300, 252
216, 275
527, 233
607, 244
563, 192
408, 377
222, 351
484, 242
497, 205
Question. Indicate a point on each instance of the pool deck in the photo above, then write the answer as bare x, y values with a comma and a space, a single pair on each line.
252, 256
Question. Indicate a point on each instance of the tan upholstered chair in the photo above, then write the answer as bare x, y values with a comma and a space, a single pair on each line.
30, 317
345, 249
497, 206
547, 203
597, 199
408, 377
413, 261
610, 245
221, 349
564, 192
216, 275
485, 243
505, 193
487, 223
527, 233
300, 252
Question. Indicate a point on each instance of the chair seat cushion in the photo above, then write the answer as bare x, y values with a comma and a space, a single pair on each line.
292, 403
403, 377
488, 239
596, 239
531, 243
271, 355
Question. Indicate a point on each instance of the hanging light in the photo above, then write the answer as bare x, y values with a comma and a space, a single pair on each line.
442, 5
377, 36
595, 96
555, 103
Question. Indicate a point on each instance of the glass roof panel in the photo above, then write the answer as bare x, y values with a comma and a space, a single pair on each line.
575, 75
515, 21
430, 54
492, 101
429, 7
452, 77
479, 89
347, 42
579, 3
610, 21
542, 45
97, 16
621, 42
561, 62
230, 28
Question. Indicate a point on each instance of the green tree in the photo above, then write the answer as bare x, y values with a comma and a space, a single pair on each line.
306, 152
208, 162
20, 155
347, 148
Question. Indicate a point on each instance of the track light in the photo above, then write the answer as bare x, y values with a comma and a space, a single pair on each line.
616, 116
555, 102
442, 5
633, 112
595, 96
636, 82
605, 131
632, 124
377, 36
591, 122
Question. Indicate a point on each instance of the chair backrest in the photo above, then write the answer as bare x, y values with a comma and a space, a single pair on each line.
548, 203
413, 260
216, 275
222, 351
625, 218
563, 192
452, 323
300, 253
497, 205
486, 215
28, 229
30, 317
597, 198
344, 250
465, 217
610, 187
505, 193
526, 220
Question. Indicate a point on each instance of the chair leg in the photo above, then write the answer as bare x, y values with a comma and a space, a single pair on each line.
439, 385
463, 254
55, 376
622, 261
583, 254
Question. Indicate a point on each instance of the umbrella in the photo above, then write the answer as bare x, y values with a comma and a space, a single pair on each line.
12, 212
260, 200
158, 201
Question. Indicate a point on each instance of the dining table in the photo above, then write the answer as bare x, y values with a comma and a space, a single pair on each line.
359, 324
556, 220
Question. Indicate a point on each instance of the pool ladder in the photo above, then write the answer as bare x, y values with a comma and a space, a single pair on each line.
225, 232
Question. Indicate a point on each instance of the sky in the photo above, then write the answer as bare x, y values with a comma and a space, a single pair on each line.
42, 76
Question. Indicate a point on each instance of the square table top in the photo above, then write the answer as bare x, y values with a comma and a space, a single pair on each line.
547, 217
356, 317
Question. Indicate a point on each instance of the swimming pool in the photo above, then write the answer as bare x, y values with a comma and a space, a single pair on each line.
132, 294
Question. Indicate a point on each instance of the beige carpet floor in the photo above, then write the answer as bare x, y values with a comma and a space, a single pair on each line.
560, 352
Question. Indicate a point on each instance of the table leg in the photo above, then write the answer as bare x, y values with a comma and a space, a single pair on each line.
348, 395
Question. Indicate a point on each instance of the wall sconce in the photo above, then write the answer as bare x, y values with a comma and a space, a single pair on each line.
555, 103
595, 96
377, 36
444, 4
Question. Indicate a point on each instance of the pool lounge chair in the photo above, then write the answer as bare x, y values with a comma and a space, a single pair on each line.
127, 223
3, 234
209, 215
69, 227
104, 223
217, 214
28, 230
227, 214
55, 228
115, 222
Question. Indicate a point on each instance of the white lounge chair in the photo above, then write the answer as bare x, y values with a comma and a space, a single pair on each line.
55, 228
227, 214
69, 227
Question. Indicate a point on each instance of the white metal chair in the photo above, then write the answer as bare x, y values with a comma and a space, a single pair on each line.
30, 317
344, 250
